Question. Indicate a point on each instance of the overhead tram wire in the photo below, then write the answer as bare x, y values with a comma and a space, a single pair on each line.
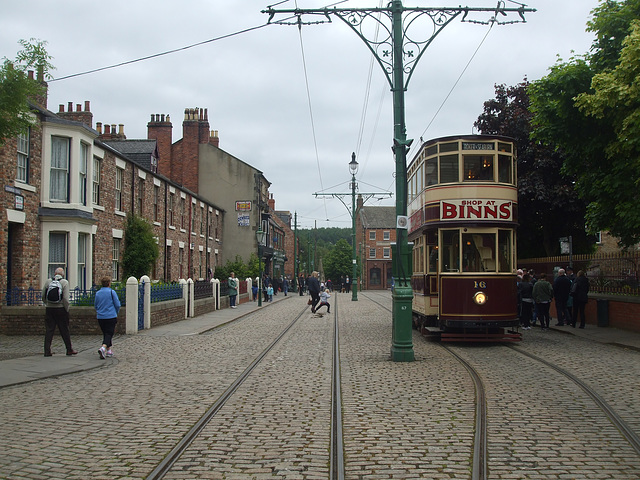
313, 127
156, 55
453, 87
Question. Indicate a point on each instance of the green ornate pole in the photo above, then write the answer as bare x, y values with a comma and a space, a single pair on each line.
353, 168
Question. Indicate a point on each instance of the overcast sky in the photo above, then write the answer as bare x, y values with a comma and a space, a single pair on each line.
299, 129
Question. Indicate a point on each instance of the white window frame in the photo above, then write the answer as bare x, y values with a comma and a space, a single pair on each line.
59, 172
386, 252
115, 259
386, 235
82, 173
372, 234
118, 196
22, 174
372, 251
58, 252
97, 163
82, 260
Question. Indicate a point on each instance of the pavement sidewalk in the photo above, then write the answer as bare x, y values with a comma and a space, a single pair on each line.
20, 364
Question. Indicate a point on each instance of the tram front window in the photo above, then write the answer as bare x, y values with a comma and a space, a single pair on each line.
504, 169
449, 168
432, 171
504, 251
450, 251
478, 252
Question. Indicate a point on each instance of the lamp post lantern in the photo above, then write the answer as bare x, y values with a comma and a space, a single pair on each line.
353, 168
260, 237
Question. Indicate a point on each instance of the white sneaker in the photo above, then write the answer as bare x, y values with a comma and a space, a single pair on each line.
102, 352
109, 353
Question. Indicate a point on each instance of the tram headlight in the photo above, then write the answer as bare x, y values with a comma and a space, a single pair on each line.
480, 298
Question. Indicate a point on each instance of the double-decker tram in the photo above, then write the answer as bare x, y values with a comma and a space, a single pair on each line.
463, 217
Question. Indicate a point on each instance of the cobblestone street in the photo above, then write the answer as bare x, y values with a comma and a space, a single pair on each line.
121, 417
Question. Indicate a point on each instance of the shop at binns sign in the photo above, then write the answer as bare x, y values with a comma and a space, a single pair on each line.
479, 209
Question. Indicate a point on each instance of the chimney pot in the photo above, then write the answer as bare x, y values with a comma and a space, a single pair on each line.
162, 117
61, 108
70, 107
78, 107
206, 114
87, 106
168, 118
107, 129
99, 127
121, 129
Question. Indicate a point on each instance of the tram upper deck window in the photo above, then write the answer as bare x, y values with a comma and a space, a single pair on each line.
504, 147
478, 168
431, 171
504, 169
432, 150
449, 147
449, 168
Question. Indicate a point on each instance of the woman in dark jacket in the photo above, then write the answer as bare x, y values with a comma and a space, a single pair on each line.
580, 294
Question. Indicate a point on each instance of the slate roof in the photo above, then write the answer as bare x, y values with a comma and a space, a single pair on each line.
378, 217
138, 151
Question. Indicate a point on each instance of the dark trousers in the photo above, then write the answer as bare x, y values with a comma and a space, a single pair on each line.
543, 314
578, 310
564, 317
56, 317
315, 298
322, 304
108, 327
527, 308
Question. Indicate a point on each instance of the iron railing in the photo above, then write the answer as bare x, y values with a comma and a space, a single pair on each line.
612, 273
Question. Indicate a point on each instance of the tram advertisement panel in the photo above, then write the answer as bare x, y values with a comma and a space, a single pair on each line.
476, 209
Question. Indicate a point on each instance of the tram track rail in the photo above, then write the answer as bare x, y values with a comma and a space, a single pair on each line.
625, 430
336, 447
480, 456
176, 452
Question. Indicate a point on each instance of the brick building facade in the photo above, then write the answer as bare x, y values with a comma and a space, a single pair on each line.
66, 199
375, 235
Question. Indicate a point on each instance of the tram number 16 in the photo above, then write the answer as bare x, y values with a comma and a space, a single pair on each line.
481, 284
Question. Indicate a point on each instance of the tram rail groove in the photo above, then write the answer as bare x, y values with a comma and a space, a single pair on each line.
175, 453
336, 468
626, 431
480, 456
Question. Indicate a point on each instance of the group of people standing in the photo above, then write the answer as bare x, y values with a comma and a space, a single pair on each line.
535, 294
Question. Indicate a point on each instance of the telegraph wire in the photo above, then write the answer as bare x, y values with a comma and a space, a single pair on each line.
156, 55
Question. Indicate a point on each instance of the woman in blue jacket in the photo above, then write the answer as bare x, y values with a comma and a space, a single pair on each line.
107, 306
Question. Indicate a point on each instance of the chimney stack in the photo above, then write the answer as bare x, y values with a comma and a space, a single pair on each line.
161, 130
81, 115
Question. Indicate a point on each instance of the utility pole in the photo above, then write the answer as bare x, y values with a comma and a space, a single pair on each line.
398, 53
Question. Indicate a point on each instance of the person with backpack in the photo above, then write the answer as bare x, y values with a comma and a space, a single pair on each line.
55, 296
107, 305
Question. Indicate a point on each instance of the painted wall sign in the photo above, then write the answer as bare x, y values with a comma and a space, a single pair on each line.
244, 206
243, 219
477, 146
483, 210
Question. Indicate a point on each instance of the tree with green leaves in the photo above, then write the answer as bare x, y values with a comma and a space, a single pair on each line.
548, 207
17, 89
140, 247
587, 108
338, 262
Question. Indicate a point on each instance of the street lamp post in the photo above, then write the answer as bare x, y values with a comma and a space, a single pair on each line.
260, 237
353, 168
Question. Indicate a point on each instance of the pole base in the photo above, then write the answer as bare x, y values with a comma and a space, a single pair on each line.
402, 343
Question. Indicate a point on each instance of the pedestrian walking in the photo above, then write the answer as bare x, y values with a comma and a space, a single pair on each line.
55, 295
314, 290
107, 305
542, 295
270, 292
232, 283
